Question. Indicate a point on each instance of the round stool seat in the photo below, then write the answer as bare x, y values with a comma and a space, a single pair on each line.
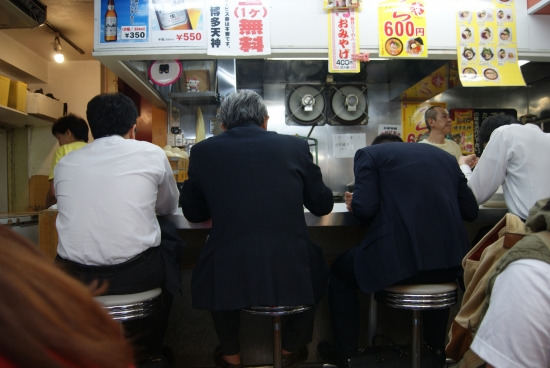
280, 310
419, 296
124, 307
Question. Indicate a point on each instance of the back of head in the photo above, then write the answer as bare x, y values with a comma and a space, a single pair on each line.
111, 114
241, 108
49, 319
75, 124
386, 138
489, 124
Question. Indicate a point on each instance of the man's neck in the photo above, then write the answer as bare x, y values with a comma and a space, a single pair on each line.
436, 137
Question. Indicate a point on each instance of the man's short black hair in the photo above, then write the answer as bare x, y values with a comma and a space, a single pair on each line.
74, 123
490, 123
386, 138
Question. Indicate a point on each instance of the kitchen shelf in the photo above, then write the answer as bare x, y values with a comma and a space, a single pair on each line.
13, 118
195, 97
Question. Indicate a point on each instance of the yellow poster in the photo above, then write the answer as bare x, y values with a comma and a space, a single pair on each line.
463, 129
343, 35
402, 29
487, 44
412, 120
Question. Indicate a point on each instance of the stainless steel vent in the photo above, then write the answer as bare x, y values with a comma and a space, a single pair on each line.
22, 14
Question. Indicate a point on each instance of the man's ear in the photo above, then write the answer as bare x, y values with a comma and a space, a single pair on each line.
132, 132
264, 124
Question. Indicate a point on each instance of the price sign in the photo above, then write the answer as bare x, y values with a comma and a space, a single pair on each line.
343, 41
403, 32
133, 32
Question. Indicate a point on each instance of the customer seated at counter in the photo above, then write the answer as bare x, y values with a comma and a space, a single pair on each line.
49, 319
109, 193
253, 184
413, 198
515, 156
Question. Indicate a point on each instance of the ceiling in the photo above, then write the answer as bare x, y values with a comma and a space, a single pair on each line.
73, 18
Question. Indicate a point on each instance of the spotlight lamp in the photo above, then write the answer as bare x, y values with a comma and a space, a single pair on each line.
58, 52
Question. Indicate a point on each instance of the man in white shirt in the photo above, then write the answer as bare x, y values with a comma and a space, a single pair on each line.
109, 194
517, 157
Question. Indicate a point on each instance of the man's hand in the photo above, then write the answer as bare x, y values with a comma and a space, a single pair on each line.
348, 196
470, 160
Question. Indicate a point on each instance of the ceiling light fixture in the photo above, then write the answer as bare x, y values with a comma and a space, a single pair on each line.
58, 53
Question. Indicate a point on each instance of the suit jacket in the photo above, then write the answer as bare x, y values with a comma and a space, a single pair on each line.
414, 198
254, 185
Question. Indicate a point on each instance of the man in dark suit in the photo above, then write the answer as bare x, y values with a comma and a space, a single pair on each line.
254, 184
413, 198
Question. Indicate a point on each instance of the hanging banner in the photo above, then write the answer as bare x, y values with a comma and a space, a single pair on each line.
152, 22
343, 31
402, 32
238, 27
412, 120
487, 44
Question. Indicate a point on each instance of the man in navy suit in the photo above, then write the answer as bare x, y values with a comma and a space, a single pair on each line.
413, 198
253, 184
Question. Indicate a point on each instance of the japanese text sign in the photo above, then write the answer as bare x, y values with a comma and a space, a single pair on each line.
343, 29
238, 27
402, 31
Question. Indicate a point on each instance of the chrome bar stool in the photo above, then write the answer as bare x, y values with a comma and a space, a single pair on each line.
417, 298
276, 312
128, 307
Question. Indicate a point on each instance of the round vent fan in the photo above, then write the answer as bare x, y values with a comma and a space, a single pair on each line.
305, 105
349, 105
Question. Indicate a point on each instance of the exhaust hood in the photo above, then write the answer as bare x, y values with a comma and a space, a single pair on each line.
22, 14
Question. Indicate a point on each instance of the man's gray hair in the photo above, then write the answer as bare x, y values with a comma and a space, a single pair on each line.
241, 108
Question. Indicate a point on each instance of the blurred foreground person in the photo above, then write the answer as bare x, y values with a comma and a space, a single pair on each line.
253, 184
48, 319
415, 235
515, 330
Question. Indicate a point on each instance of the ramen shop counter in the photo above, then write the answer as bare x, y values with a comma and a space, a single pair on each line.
335, 232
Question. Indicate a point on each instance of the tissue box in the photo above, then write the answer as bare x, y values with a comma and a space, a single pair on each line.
44, 106
18, 95
4, 90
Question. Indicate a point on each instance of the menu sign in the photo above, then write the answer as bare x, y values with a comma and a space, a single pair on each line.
402, 29
157, 22
487, 44
343, 33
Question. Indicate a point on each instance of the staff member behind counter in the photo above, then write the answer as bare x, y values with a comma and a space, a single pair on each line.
253, 184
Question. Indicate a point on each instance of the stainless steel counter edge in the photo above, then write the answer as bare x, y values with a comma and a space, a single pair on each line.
339, 217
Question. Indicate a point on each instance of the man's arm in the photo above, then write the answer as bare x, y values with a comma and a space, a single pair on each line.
491, 168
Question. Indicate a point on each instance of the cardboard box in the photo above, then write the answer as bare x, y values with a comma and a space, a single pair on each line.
44, 106
17, 98
4, 90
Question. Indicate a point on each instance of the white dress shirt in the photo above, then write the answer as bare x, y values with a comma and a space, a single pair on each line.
108, 195
518, 158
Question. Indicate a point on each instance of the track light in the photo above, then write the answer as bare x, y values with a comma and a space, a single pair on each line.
58, 52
